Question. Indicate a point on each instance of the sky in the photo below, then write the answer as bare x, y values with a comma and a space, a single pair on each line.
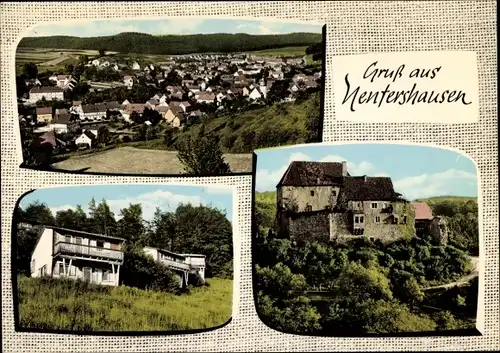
169, 26
416, 171
166, 197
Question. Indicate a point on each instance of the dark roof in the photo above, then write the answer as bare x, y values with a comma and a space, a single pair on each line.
44, 111
175, 107
312, 174
368, 188
38, 89
64, 231
91, 108
113, 105
90, 134
62, 119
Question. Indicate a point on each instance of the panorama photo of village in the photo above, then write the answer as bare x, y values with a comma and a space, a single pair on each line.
123, 258
166, 96
366, 239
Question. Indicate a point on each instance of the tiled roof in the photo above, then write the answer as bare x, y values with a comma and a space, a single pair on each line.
312, 174
368, 188
422, 211
46, 90
44, 111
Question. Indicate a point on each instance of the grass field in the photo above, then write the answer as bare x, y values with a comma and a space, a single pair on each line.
70, 305
286, 51
130, 160
50, 59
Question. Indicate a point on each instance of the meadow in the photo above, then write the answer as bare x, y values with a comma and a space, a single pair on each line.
286, 51
74, 305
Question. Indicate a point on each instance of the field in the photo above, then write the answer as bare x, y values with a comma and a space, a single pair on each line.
286, 51
49, 59
134, 160
70, 305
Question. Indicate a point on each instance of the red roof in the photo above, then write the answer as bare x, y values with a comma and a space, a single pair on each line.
422, 211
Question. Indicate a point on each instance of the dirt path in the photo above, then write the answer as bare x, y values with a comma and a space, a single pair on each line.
463, 280
130, 160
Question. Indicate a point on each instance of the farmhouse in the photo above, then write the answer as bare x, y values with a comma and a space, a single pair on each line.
44, 115
94, 112
428, 225
65, 253
87, 138
49, 93
321, 201
184, 264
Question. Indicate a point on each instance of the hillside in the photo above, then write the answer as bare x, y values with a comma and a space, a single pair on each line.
278, 125
72, 305
174, 44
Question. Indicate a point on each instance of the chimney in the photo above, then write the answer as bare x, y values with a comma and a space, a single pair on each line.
344, 168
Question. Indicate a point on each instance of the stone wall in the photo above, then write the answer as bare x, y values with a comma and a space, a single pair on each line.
310, 227
318, 197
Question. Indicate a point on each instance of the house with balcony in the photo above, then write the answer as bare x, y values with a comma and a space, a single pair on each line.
185, 265
66, 253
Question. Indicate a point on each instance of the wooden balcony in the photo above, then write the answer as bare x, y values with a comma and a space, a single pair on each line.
86, 251
176, 265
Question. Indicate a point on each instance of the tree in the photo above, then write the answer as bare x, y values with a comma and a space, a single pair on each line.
101, 218
102, 52
142, 271
131, 225
279, 91
83, 59
150, 133
37, 212
72, 219
26, 240
203, 156
168, 137
281, 303
103, 135
313, 124
30, 70
173, 78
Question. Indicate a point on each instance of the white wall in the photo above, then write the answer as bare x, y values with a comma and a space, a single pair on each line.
151, 252
43, 254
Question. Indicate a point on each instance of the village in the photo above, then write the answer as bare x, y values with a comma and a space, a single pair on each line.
138, 100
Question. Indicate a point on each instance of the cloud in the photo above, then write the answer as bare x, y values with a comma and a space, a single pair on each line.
165, 200
267, 180
449, 182
110, 27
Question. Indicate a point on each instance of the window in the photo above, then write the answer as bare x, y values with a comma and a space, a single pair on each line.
33, 266
79, 241
359, 219
43, 271
105, 275
334, 192
377, 219
374, 205
308, 208
312, 192
100, 244
67, 239
72, 270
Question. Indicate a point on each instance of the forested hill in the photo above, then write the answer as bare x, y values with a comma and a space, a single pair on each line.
142, 43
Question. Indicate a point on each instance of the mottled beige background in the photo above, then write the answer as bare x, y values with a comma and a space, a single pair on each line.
354, 27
